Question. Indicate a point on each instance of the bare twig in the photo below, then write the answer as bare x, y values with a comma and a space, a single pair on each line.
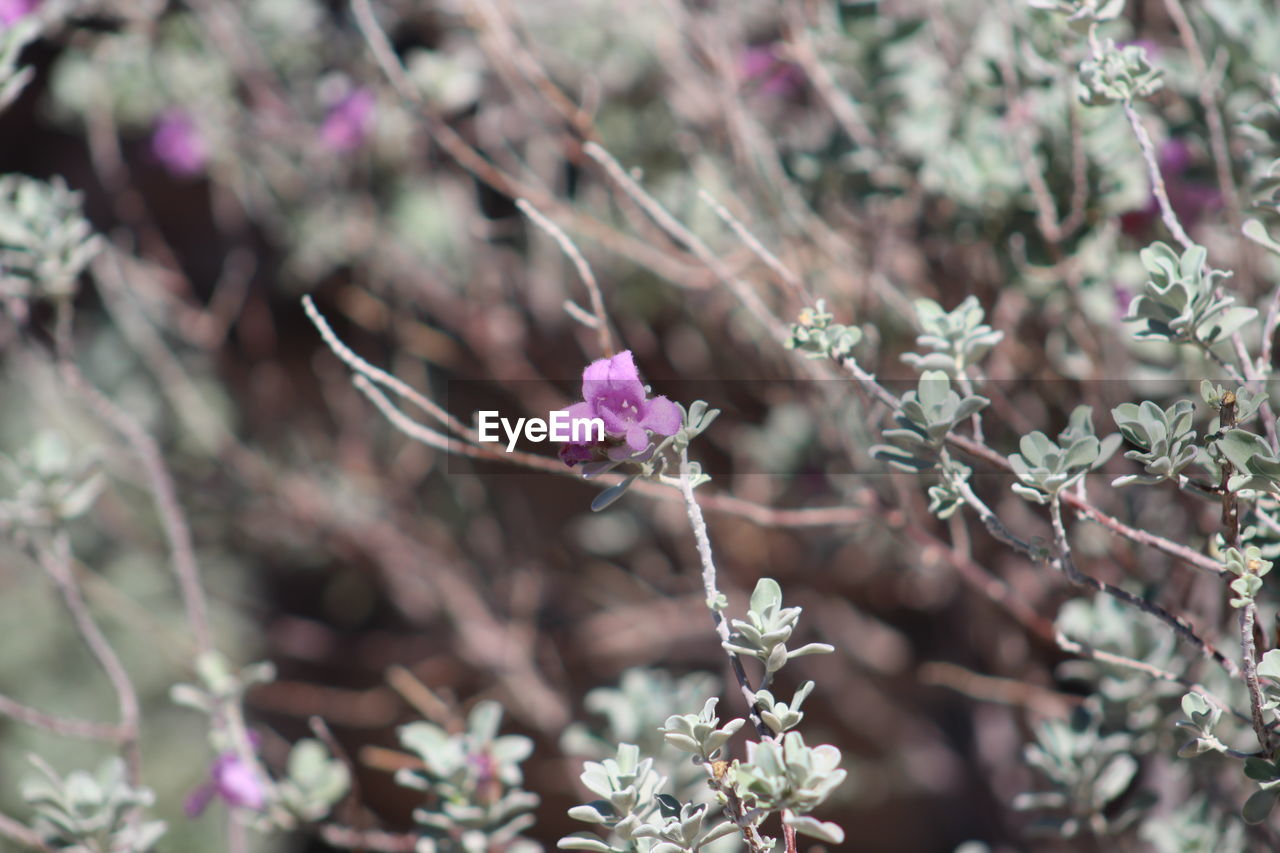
1249, 663
584, 271
659, 214
176, 529
842, 106
22, 834
58, 725
1217, 131
1067, 565
1167, 213
1005, 691
784, 274
374, 840
55, 557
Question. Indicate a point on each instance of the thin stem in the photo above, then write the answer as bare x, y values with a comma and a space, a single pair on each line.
771, 260
1167, 213
373, 840
713, 594
165, 496
678, 232
58, 725
1213, 118
1249, 663
378, 375
584, 271
1066, 564
22, 834
55, 557
1112, 659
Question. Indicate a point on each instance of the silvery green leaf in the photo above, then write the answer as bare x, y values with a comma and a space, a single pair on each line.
821, 830
215, 672
190, 696
1269, 666
766, 595
1114, 778
1260, 770
583, 841
1258, 807
902, 459
720, 830
1257, 232
598, 811
811, 649
611, 494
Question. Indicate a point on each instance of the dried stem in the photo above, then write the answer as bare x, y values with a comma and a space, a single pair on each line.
373, 840
1249, 663
1066, 564
584, 272
58, 725
165, 496
21, 834
1213, 118
1167, 213
55, 557
678, 232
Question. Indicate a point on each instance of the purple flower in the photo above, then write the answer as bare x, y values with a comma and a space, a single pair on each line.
12, 11
347, 124
230, 780
769, 73
612, 391
177, 144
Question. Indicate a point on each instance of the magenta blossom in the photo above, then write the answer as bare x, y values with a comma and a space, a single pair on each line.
230, 780
12, 11
612, 391
762, 67
347, 125
176, 143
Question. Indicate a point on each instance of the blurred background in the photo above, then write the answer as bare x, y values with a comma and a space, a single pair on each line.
234, 156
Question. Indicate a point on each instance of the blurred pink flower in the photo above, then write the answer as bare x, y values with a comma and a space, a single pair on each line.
768, 73
230, 780
12, 11
347, 125
177, 144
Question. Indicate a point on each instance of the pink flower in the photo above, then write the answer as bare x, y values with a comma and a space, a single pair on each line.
12, 11
230, 780
347, 125
769, 74
612, 391
176, 143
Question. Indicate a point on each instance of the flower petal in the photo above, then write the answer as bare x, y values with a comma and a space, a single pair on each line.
237, 783
198, 800
613, 378
572, 454
637, 438
662, 416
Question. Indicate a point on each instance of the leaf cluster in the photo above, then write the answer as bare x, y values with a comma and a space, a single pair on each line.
1045, 467
959, 338
924, 419
1180, 301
